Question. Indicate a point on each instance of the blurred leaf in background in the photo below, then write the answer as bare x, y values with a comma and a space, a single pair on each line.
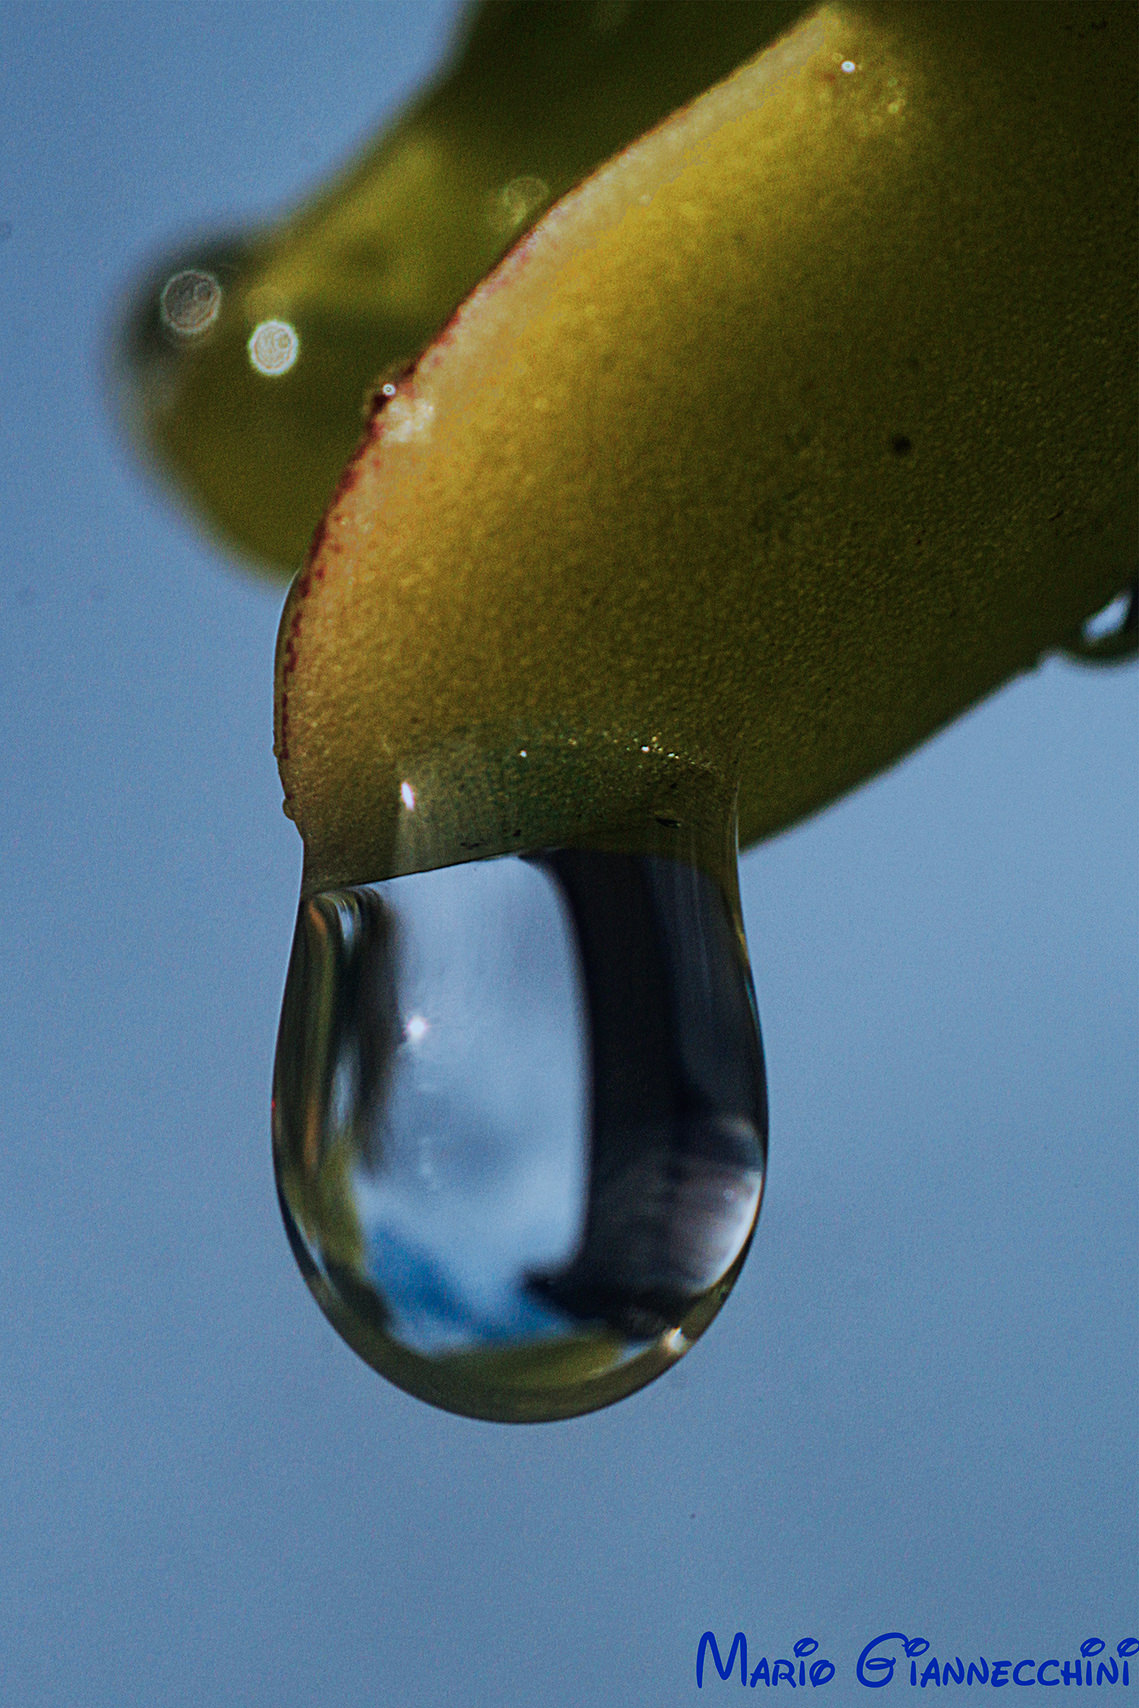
245, 361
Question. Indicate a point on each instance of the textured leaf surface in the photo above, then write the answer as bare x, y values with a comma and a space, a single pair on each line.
796, 429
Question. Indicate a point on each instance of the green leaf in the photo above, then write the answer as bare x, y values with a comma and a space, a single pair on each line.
540, 92
800, 426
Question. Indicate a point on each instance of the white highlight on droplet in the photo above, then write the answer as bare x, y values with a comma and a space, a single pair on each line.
848, 66
416, 1029
190, 302
273, 347
407, 796
1109, 620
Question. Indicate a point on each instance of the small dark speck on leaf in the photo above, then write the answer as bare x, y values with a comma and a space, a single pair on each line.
900, 445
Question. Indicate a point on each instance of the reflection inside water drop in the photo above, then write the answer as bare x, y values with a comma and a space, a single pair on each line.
520, 1123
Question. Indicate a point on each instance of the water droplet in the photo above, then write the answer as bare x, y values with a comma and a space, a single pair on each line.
516, 203
519, 1124
190, 303
1113, 619
273, 347
1110, 635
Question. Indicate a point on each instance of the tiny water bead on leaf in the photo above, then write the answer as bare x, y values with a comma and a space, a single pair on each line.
189, 303
273, 347
1111, 634
520, 1123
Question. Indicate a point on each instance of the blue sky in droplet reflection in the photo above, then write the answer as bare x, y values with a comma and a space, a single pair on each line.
486, 952
918, 1408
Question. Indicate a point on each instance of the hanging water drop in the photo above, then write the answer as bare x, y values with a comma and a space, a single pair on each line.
520, 1123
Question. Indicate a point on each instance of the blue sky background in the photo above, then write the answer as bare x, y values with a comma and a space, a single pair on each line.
918, 1411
